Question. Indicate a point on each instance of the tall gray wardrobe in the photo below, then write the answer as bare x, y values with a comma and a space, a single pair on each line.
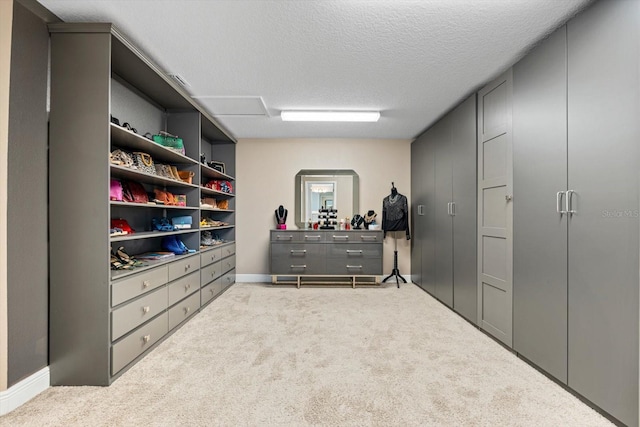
443, 188
576, 138
575, 129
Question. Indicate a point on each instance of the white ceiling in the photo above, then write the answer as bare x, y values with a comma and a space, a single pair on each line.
411, 59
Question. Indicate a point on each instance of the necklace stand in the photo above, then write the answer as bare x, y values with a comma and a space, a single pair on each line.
396, 271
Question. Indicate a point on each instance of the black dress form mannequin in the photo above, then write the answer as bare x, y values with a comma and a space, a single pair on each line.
395, 218
281, 215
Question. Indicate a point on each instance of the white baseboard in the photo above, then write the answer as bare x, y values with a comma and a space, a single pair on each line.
253, 278
24, 391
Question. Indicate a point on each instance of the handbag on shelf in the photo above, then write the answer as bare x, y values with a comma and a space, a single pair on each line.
162, 224
169, 141
121, 224
121, 158
164, 197
186, 176
115, 190
223, 204
134, 192
144, 162
208, 202
174, 173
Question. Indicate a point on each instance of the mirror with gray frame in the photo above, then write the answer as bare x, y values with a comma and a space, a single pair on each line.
325, 188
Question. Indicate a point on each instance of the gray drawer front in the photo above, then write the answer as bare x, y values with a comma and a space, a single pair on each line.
183, 310
228, 263
210, 291
340, 266
210, 256
228, 250
354, 251
297, 258
136, 312
138, 284
210, 273
135, 344
228, 279
286, 236
183, 287
183, 267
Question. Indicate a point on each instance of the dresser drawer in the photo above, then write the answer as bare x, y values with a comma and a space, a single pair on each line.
140, 340
228, 263
210, 291
228, 279
183, 267
364, 266
136, 312
210, 273
354, 237
183, 310
210, 256
135, 285
228, 250
286, 236
354, 251
183, 287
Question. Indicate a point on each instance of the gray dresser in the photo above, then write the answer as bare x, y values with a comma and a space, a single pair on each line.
326, 256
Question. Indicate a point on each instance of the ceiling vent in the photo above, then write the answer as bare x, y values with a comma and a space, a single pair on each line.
180, 80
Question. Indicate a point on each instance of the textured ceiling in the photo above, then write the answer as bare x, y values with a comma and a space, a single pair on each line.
412, 60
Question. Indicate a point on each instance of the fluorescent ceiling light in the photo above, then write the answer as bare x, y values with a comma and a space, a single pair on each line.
330, 116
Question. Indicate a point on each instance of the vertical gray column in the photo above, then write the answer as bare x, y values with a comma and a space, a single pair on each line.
417, 208
539, 230
604, 141
443, 231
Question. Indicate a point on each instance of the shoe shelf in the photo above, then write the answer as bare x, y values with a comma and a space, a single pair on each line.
216, 209
209, 191
126, 139
152, 206
149, 264
208, 172
150, 235
135, 175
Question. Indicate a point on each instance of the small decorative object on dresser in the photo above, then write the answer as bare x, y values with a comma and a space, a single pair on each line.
281, 218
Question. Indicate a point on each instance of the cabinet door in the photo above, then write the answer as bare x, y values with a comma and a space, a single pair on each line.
539, 231
443, 231
417, 208
604, 140
463, 144
428, 263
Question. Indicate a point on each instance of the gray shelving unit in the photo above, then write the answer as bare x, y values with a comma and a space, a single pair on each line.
97, 73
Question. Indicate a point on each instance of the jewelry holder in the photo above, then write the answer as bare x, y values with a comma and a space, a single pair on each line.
328, 219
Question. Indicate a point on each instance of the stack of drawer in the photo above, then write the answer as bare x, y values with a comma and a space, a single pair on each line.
147, 305
218, 271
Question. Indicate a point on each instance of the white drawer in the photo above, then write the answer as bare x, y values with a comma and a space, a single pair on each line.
127, 317
183, 310
135, 285
183, 287
135, 344
183, 267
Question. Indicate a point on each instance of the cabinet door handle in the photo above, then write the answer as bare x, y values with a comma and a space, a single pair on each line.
299, 266
354, 266
340, 237
421, 210
279, 237
350, 251
569, 202
559, 203
298, 251
449, 208
312, 237
372, 238
146, 338
453, 208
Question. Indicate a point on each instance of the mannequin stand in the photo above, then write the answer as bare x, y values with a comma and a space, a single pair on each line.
396, 270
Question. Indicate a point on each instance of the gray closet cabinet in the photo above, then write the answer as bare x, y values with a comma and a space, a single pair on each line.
102, 321
444, 190
576, 200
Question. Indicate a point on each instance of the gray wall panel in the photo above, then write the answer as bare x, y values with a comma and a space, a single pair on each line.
27, 291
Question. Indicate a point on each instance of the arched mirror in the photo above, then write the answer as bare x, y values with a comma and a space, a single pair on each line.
325, 188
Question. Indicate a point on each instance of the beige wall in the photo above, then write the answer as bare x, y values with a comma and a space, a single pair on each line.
6, 20
265, 174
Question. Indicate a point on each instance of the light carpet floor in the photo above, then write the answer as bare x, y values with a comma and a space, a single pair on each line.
262, 355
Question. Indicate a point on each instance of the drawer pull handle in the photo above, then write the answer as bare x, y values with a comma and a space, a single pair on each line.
146, 284
299, 266
340, 237
369, 238
211, 290
187, 310
350, 251
298, 251
186, 267
284, 237
146, 338
187, 286
213, 257
312, 237
213, 273
354, 266
146, 309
